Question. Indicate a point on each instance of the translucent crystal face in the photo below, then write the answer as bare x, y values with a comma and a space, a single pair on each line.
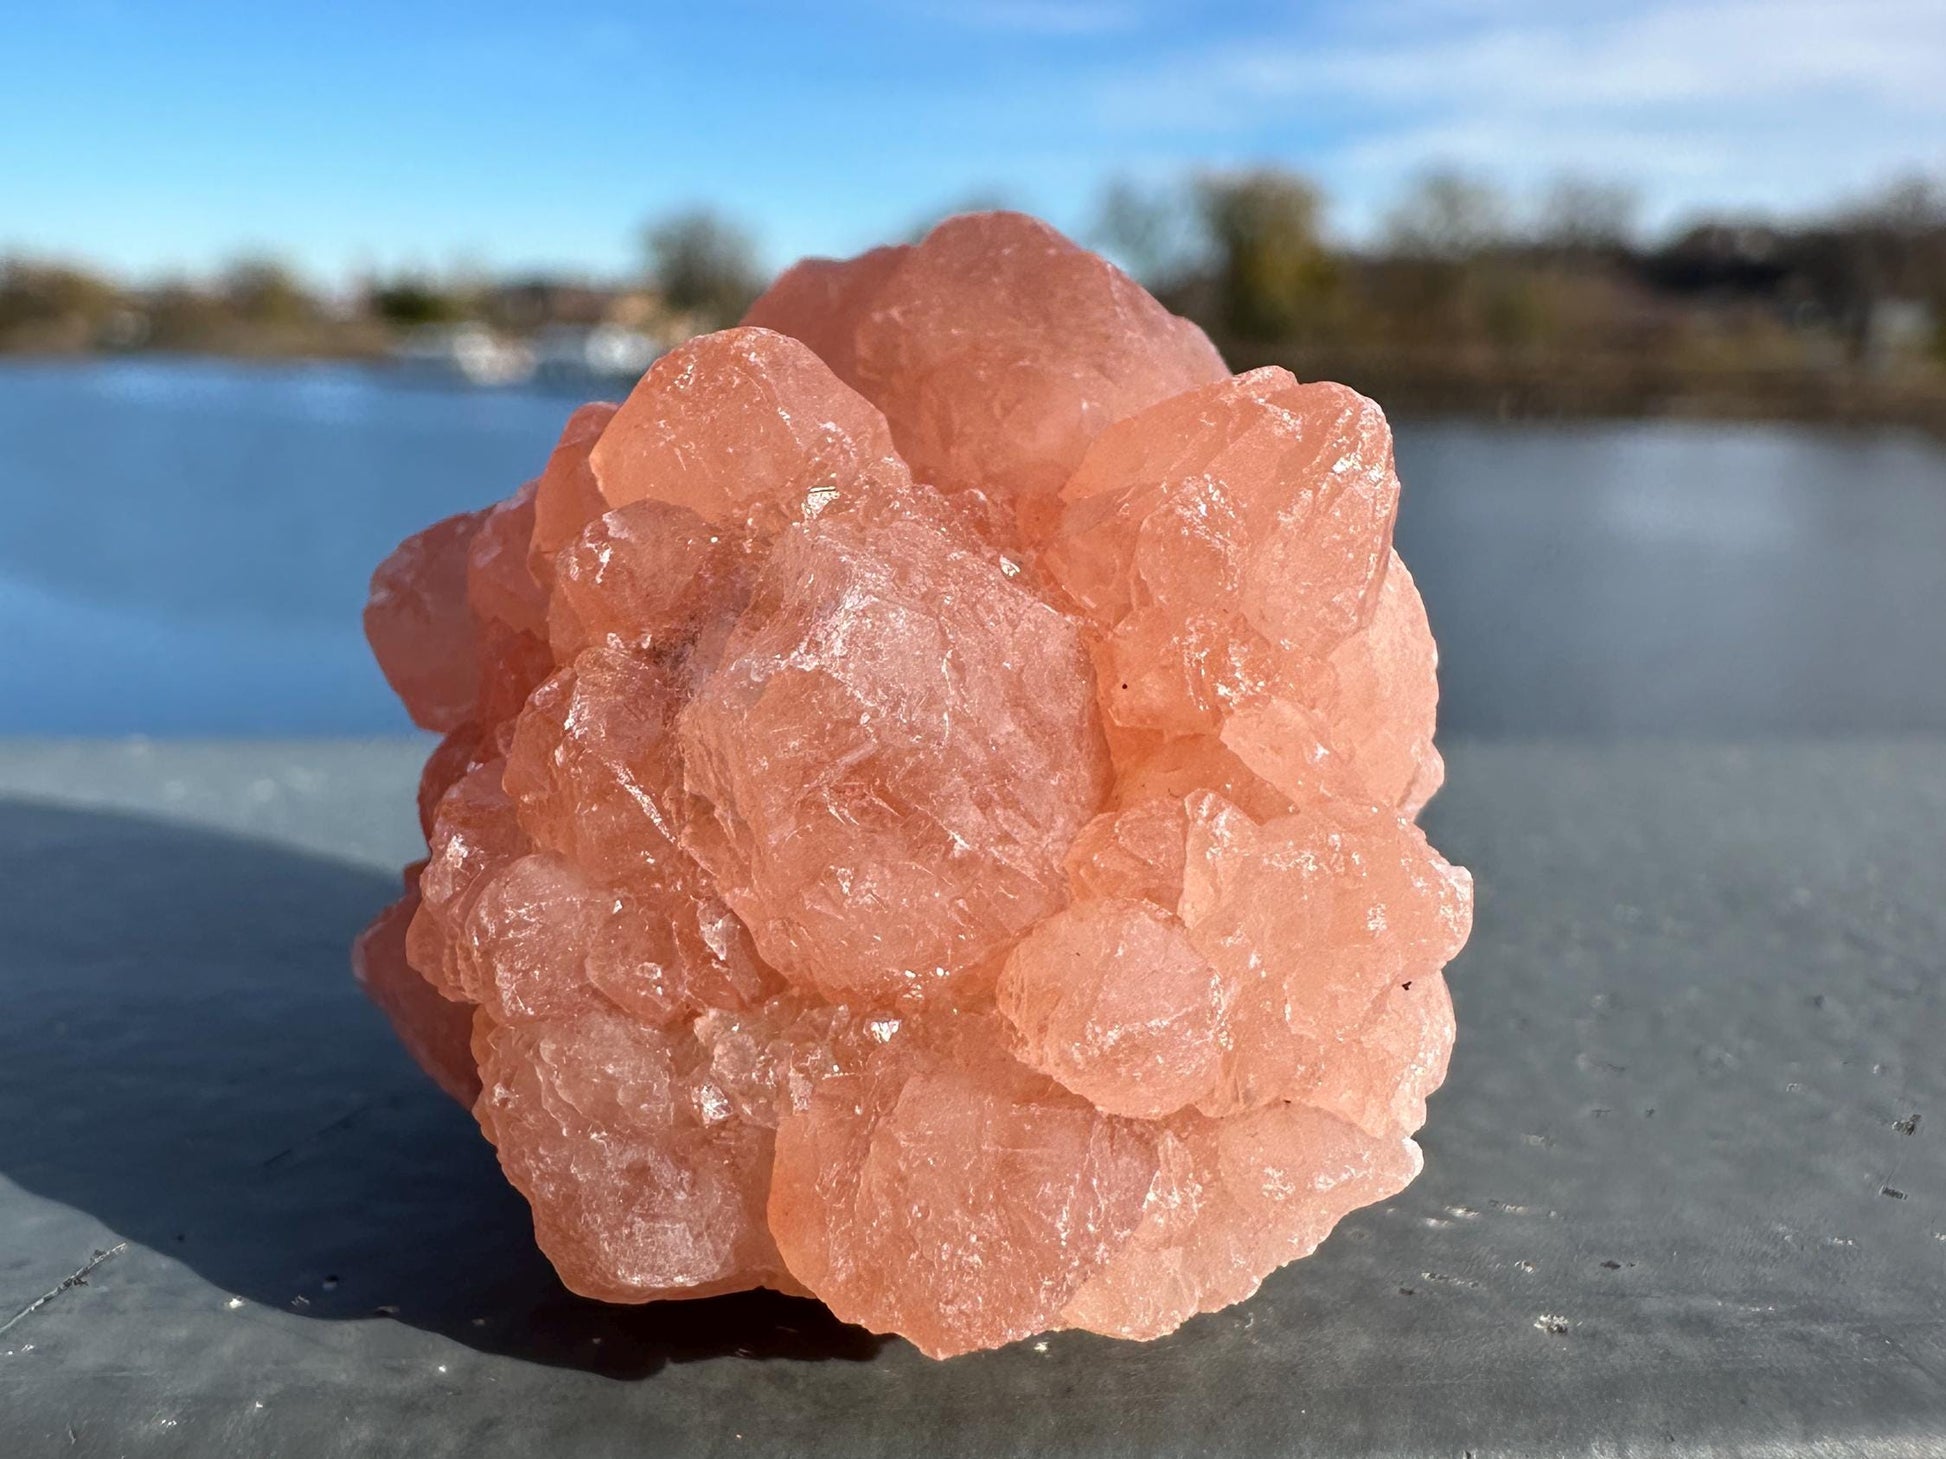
925, 811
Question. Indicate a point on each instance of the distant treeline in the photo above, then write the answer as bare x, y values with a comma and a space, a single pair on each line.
700, 272
1466, 303
1462, 301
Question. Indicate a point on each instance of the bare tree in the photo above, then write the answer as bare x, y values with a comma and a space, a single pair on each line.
265, 291
1155, 233
1910, 205
703, 264
1587, 215
1447, 215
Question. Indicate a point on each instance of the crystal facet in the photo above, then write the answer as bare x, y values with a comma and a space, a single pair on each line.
925, 815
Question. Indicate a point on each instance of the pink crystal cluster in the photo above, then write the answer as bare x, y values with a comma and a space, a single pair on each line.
925, 815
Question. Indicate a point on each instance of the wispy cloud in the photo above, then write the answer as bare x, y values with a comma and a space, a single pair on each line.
1760, 98
536, 141
1712, 51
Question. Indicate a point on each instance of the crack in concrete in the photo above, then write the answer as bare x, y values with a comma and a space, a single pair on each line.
76, 1279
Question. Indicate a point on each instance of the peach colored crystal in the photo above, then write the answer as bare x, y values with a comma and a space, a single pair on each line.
925, 815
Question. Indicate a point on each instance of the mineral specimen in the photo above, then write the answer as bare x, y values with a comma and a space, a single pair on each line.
925, 815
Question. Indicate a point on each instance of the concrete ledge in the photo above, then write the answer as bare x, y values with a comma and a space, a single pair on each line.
1671, 1203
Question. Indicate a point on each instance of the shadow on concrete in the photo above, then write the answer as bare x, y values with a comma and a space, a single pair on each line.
184, 1056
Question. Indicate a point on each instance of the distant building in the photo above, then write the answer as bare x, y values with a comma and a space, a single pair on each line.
531, 304
1897, 329
469, 352
570, 352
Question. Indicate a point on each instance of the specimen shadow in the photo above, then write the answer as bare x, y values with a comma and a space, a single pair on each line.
186, 1058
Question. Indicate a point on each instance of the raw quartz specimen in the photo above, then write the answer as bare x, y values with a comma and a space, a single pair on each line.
925, 812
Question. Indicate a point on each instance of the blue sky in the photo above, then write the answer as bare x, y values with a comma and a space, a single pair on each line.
385, 134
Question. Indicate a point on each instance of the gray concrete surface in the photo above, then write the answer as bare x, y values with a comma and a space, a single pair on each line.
1685, 1189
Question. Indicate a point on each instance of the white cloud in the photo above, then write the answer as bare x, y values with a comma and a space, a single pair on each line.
1709, 52
1759, 102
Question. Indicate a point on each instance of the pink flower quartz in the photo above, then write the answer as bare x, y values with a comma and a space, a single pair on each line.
925, 815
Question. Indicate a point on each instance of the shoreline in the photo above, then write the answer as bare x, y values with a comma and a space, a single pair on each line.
1410, 385
1582, 387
